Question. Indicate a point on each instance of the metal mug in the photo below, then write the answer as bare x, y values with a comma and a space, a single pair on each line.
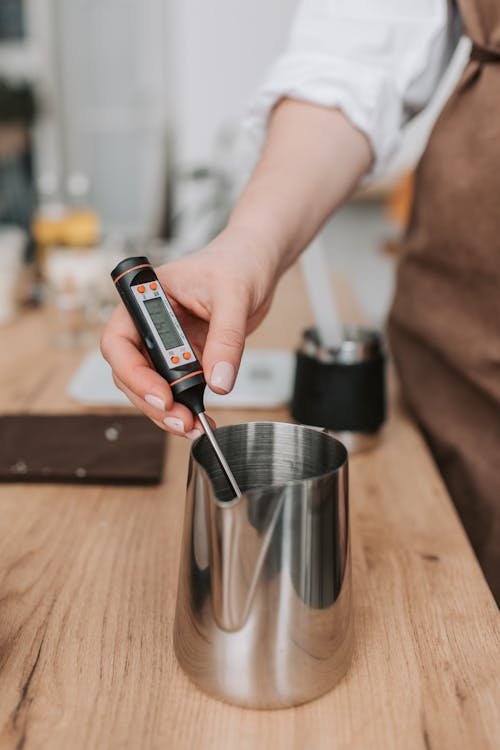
264, 615
342, 389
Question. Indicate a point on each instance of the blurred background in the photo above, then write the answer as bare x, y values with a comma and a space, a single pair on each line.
120, 132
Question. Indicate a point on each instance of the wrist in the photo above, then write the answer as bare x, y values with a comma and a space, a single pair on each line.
256, 248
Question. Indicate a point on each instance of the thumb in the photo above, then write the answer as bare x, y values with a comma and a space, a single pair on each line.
225, 342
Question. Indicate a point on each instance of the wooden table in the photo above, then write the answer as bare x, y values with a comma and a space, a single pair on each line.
87, 593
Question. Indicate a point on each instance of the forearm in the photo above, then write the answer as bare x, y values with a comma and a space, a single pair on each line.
312, 160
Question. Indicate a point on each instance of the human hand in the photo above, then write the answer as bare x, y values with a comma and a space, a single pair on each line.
220, 294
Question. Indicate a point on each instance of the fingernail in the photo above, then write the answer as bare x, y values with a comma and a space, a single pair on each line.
174, 424
222, 376
194, 434
155, 401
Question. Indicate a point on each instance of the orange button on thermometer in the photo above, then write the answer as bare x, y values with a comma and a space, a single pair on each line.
187, 355
153, 286
174, 360
141, 289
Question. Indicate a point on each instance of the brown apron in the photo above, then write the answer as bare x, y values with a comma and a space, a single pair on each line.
445, 322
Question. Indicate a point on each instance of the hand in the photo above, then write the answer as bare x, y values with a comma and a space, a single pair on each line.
220, 294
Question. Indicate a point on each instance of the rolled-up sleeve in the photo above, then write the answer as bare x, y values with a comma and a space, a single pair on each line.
379, 61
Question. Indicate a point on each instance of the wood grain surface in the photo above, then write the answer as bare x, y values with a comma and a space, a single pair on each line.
88, 579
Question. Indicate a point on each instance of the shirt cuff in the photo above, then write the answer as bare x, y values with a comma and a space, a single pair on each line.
366, 96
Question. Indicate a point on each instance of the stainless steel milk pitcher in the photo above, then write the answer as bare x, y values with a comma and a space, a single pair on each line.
263, 614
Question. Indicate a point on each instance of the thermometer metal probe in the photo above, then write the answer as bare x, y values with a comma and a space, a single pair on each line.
167, 344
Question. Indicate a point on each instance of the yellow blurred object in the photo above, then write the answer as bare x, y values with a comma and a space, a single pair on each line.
47, 230
400, 200
60, 229
80, 228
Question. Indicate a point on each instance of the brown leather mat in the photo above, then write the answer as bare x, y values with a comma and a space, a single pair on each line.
81, 449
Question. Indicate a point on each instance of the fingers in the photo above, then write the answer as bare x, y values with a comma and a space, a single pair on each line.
120, 347
142, 385
178, 420
225, 341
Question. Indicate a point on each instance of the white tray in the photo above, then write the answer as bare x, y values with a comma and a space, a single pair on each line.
265, 381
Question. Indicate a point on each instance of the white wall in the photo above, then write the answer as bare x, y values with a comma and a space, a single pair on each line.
113, 79
220, 51
121, 74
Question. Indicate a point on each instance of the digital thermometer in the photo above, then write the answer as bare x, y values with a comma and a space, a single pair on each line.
166, 343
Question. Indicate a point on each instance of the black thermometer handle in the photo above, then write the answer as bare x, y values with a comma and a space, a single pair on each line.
168, 346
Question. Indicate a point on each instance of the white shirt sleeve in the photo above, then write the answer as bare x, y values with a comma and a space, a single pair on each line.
379, 61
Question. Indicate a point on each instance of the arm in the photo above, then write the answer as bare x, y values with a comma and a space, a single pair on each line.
312, 159
376, 61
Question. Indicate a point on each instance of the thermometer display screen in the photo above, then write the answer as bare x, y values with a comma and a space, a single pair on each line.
163, 323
